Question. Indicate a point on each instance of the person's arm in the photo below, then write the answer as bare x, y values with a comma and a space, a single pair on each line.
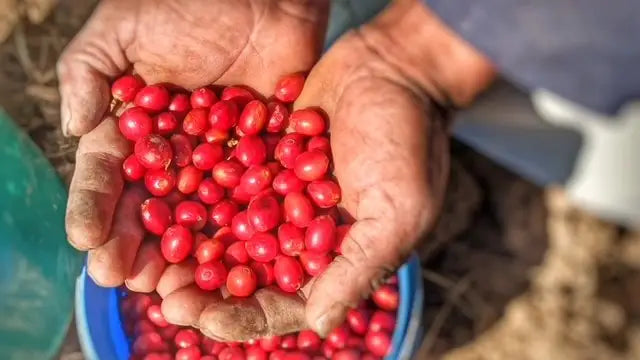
584, 50
410, 37
386, 89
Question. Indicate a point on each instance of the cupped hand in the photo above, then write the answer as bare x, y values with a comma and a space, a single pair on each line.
391, 157
189, 44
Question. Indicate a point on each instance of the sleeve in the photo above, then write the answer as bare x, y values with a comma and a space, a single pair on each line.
587, 51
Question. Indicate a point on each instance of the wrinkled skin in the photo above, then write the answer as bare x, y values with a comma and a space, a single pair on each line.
186, 43
390, 151
389, 144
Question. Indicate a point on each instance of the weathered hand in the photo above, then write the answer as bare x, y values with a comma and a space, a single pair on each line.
391, 155
383, 87
190, 44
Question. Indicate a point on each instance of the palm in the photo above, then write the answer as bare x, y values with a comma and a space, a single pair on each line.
383, 167
391, 156
189, 44
197, 43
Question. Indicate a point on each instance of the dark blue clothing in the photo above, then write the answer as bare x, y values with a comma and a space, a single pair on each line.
587, 51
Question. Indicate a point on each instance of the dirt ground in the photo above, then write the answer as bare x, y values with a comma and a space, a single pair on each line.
512, 271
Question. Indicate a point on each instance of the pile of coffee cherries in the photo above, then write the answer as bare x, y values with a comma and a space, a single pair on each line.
242, 185
365, 335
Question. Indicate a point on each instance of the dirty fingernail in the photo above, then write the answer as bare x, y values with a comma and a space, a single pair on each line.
329, 320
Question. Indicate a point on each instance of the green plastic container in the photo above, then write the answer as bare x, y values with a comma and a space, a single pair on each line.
37, 267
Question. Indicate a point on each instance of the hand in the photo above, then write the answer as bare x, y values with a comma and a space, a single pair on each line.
190, 44
391, 156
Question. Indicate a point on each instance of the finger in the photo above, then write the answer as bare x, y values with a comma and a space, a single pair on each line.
109, 264
269, 311
369, 254
147, 268
96, 185
184, 305
176, 276
93, 57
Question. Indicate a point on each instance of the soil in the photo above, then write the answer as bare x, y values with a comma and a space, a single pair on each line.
512, 271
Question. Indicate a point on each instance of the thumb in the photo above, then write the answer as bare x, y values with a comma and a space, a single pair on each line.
370, 253
87, 64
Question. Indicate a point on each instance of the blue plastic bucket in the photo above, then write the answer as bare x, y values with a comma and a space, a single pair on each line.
102, 336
